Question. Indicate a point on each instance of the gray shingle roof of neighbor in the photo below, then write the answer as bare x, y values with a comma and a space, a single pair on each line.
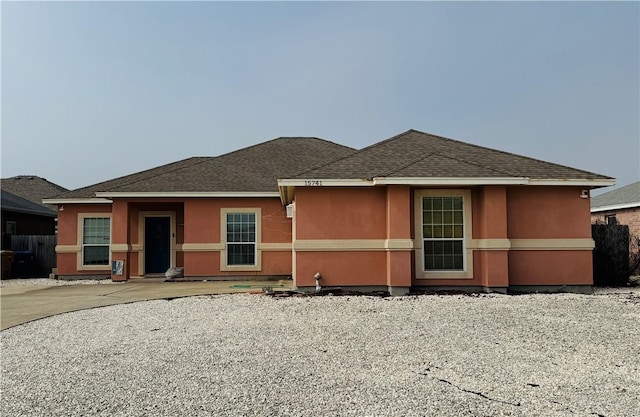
628, 194
12, 202
32, 188
415, 154
253, 169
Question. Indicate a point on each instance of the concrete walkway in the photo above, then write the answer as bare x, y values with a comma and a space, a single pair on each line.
22, 304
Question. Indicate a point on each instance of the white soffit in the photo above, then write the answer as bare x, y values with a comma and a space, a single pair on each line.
186, 194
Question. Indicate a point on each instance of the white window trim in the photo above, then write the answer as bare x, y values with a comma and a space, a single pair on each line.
223, 239
467, 272
80, 242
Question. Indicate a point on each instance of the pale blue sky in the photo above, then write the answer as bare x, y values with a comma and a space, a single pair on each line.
92, 91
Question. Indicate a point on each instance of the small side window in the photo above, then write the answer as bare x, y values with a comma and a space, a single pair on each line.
611, 219
11, 228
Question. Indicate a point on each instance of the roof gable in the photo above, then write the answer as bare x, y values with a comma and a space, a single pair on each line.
410, 153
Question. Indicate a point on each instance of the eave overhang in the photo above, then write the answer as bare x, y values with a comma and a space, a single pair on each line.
76, 201
615, 207
287, 186
189, 194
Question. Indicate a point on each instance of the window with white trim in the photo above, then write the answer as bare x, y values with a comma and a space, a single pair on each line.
443, 233
96, 237
241, 239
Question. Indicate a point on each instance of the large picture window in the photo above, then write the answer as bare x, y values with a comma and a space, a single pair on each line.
241, 239
443, 233
96, 237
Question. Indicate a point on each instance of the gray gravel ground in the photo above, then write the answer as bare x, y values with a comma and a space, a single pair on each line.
251, 355
52, 282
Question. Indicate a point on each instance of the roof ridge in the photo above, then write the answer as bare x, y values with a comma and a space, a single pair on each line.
276, 139
202, 159
327, 163
31, 177
476, 164
147, 171
454, 159
508, 153
407, 164
390, 139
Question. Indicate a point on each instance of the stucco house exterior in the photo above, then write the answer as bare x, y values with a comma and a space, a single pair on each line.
619, 206
413, 211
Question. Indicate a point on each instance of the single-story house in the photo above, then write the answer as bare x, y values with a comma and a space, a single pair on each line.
619, 206
413, 211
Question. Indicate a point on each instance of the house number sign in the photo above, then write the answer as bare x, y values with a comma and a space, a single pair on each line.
313, 183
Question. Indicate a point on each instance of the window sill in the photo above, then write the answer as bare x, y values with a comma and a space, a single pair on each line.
240, 268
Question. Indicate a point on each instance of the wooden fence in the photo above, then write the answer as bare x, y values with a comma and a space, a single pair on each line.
34, 256
611, 254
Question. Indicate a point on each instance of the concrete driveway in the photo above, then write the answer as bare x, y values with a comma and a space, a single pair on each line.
22, 304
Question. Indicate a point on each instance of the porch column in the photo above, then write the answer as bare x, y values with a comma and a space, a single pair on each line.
493, 259
399, 244
120, 248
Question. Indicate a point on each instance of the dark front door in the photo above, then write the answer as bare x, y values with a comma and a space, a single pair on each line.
157, 244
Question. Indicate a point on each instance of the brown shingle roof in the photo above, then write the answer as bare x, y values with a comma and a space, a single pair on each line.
415, 154
253, 169
32, 188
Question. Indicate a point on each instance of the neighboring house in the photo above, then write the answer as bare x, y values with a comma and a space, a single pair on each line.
32, 188
24, 217
29, 215
414, 211
619, 206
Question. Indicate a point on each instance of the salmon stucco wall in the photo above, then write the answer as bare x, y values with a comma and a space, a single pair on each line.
203, 246
341, 268
351, 236
548, 213
69, 248
556, 218
332, 213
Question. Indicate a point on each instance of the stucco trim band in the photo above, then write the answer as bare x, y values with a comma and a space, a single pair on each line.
489, 244
202, 247
338, 245
553, 244
68, 248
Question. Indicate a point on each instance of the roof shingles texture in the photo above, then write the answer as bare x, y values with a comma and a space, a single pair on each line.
257, 168
417, 154
629, 194
32, 188
253, 169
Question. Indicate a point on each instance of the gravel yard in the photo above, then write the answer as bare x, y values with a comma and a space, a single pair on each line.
48, 282
252, 355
